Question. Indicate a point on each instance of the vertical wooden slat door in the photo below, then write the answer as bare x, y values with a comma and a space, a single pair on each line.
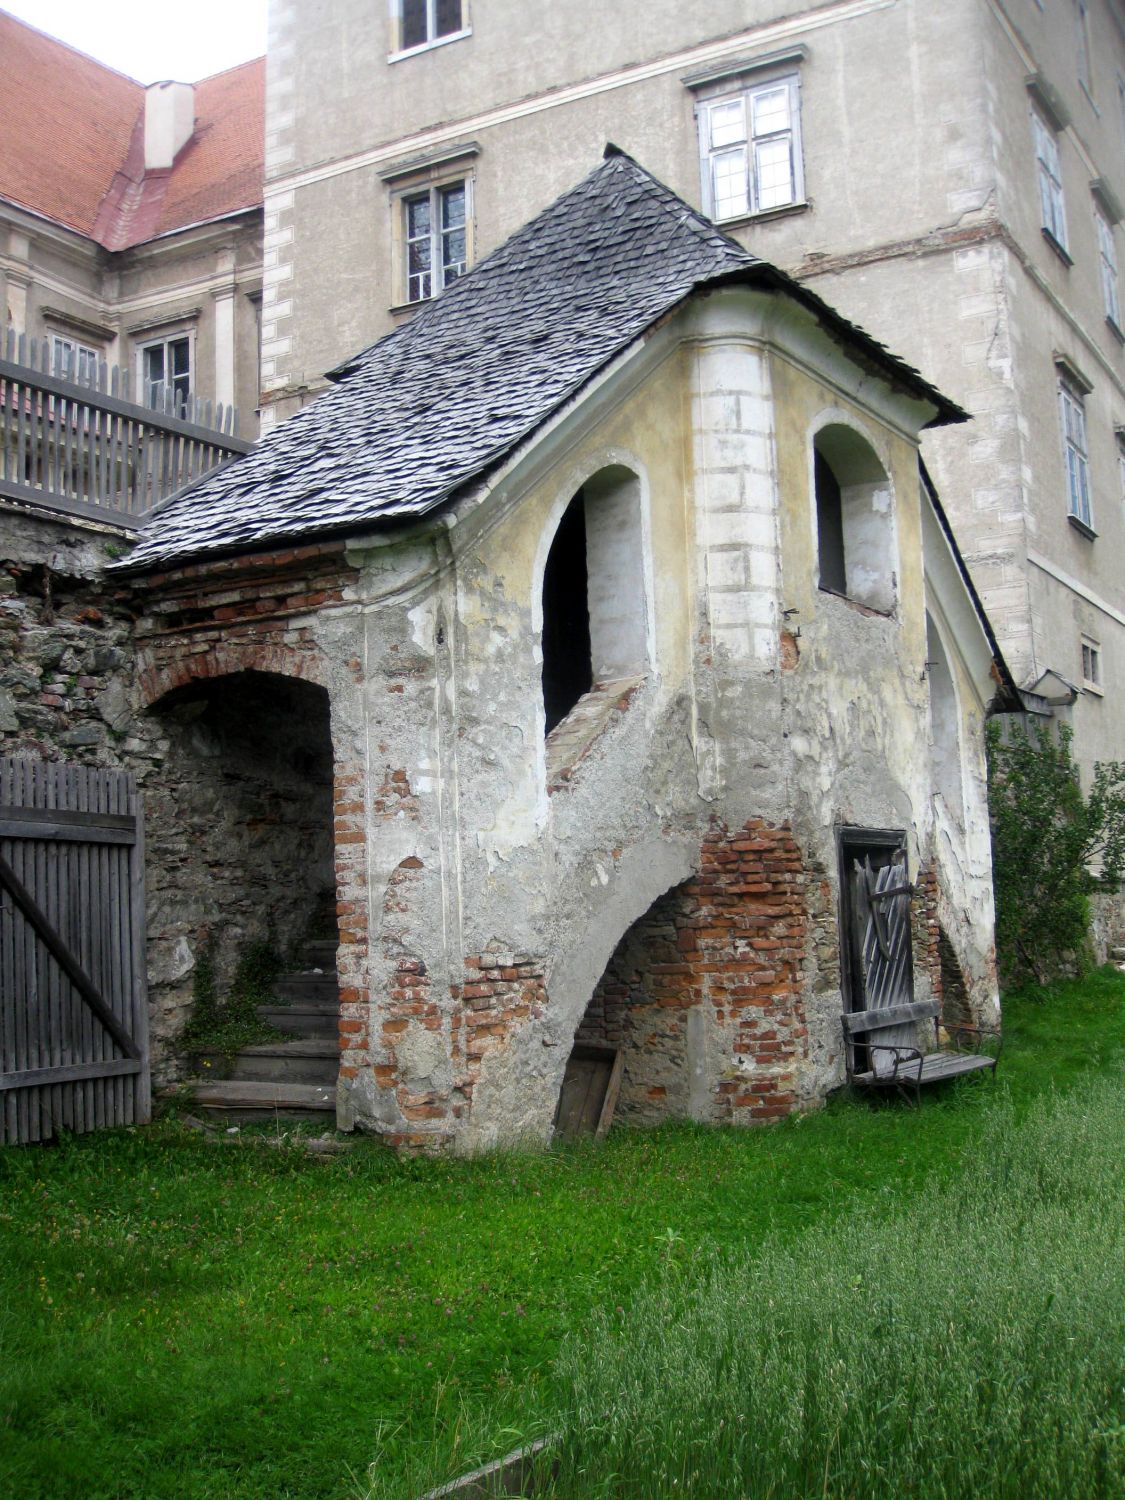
881, 912
73, 996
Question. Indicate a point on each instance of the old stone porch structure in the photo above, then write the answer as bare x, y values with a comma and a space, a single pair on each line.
568, 640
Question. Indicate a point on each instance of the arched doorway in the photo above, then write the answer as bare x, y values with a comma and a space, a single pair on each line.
240, 851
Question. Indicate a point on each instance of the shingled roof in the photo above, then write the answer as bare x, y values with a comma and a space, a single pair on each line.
449, 395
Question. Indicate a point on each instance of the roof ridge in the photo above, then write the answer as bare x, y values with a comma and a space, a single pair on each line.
6, 15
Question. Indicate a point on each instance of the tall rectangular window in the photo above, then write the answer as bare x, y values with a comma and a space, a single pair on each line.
1076, 453
166, 373
1091, 664
435, 226
1082, 39
751, 150
1050, 180
1107, 261
422, 21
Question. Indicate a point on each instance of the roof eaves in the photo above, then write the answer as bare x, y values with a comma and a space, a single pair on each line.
1008, 700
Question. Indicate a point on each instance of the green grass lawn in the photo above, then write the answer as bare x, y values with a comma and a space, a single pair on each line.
185, 1318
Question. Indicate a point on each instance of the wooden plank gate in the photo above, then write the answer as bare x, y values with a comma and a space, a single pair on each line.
881, 960
73, 994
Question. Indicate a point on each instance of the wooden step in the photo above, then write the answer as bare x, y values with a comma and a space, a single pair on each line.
303, 1060
256, 1100
310, 986
315, 1020
320, 953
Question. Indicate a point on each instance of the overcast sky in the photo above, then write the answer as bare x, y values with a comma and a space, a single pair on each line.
154, 39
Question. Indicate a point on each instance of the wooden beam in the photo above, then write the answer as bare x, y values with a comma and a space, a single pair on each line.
62, 823
114, 1067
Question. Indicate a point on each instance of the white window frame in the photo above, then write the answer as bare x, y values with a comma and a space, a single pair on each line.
1107, 263
1092, 675
1052, 203
1082, 47
86, 359
173, 336
1076, 453
439, 268
728, 126
398, 50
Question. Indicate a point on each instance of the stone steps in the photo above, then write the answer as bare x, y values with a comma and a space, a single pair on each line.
240, 1100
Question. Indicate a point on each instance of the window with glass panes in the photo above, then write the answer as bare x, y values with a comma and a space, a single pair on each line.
434, 236
166, 367
751, 150
73, 361
1091, 663
1075, 451
1050, 180
1107, 259
425, 21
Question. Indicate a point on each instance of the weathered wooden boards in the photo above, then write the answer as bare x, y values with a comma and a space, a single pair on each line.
73, 998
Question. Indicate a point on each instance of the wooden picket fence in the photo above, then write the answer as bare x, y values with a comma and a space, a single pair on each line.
74, 442
73, 993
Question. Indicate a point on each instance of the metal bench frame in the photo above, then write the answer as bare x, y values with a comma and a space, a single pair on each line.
911, 1068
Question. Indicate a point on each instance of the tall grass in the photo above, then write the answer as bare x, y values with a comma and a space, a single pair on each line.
967, 1344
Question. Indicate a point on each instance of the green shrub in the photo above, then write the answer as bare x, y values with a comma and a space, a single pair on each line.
1046, 835
968, 1345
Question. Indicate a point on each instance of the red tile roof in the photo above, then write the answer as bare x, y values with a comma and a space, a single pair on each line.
73, 143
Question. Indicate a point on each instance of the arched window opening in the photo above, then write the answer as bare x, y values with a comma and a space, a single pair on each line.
855, 519
945, 727
567, 671
595, 623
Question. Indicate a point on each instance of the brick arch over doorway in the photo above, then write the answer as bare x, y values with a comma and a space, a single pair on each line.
162, 674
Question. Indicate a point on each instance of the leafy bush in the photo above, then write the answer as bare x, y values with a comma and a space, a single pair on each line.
1046, 835
966, 1345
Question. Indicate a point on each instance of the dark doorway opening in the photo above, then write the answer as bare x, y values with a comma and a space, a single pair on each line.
241, 846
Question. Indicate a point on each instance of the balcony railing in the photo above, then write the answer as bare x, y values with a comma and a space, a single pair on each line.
75, 443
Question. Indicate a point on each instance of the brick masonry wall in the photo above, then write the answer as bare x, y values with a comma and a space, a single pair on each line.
502, 991
734, 944
926, 932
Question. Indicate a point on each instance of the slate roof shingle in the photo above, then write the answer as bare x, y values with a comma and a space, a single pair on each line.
447, 396
74, 134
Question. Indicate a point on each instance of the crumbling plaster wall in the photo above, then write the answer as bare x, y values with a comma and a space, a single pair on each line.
495, 907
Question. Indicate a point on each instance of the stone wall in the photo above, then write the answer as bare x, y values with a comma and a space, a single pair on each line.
66, 651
